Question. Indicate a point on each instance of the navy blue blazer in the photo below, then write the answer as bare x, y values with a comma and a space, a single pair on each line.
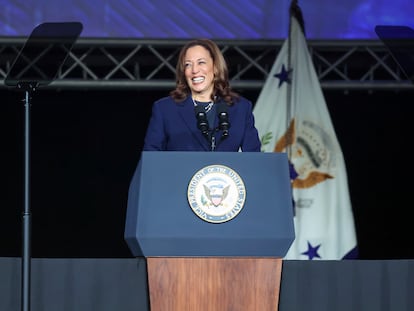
173, 127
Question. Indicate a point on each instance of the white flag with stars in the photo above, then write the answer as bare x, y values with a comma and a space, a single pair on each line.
292, 116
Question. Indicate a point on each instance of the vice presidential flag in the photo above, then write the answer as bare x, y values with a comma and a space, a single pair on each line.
292, 116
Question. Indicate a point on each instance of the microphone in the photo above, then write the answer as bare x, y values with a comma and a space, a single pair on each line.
202, 122
223, 116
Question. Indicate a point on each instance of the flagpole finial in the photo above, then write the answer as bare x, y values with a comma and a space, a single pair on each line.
296, 12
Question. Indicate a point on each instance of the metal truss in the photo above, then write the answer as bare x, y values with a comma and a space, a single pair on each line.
150, 64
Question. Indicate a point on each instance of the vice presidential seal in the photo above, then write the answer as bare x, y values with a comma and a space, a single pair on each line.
216, 193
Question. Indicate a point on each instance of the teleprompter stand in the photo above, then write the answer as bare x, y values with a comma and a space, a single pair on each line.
194, 264
36, 66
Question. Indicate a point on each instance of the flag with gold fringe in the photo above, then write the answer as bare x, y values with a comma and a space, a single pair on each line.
292, 116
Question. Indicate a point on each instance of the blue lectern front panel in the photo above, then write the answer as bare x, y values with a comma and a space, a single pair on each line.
160, 221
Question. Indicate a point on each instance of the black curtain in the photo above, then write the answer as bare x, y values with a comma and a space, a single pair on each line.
85, 145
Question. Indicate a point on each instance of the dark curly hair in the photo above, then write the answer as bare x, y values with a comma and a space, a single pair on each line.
222, 88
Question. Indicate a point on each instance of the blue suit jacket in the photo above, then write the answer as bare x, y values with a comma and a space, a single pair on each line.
173, 127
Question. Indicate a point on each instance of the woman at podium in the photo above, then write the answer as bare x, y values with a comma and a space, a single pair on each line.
202, 113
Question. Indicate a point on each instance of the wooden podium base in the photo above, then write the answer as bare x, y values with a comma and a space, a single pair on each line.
214, 283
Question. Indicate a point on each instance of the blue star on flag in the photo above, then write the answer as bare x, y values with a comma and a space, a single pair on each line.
283, 75
312, 251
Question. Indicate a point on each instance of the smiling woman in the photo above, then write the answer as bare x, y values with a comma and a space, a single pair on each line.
202, 113
199, 73
242, 19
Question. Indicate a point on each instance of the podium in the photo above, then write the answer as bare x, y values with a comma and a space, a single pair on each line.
204, 251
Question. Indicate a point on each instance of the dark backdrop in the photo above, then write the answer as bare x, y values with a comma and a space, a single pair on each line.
86, 144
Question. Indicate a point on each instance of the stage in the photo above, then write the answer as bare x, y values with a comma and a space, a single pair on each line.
109, 284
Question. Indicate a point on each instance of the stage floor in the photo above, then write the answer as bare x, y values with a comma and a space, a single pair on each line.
108, 284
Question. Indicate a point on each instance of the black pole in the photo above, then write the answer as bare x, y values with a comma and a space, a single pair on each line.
26, 227
37, 65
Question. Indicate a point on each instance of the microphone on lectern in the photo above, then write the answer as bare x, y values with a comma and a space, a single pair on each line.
223, 116
202, 122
